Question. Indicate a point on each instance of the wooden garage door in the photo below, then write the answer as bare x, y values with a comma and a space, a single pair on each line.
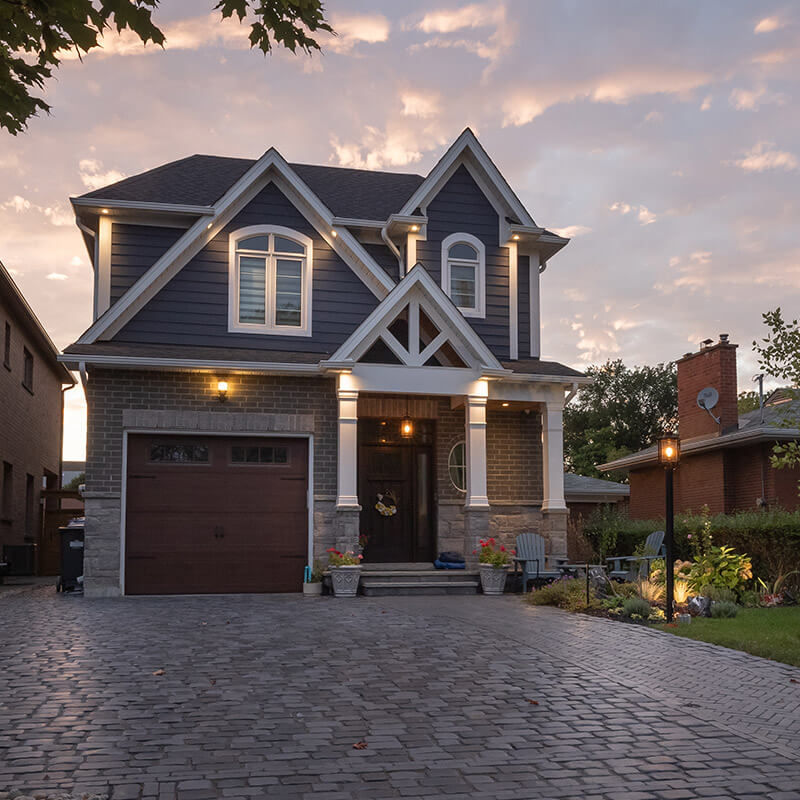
215, 514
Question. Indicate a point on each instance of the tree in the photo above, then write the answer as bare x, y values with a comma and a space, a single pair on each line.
779, 356
624, 410
747, 401
76, 482
34, 32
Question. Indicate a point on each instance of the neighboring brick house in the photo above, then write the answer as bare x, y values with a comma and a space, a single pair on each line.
31, 413
725, 456
277, 345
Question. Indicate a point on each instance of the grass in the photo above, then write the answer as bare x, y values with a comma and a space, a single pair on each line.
767, 632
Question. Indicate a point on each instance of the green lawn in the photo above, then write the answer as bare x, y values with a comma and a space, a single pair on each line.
768, 632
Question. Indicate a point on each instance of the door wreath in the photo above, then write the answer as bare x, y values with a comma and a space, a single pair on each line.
387, 504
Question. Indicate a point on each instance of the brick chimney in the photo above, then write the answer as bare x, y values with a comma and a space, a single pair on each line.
713, 365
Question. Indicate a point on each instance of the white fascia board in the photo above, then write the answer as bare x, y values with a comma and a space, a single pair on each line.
136, 362
350, 222
467, 141
203, 230
456, 322
97, 204
563, 380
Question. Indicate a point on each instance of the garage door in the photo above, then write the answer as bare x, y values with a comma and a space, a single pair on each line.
215, 514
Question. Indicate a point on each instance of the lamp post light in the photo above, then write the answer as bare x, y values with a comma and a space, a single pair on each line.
669, 454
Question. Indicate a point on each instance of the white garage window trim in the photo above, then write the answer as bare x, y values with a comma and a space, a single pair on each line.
200, 433
269, 281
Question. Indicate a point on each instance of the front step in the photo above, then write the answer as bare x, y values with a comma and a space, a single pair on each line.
380, 580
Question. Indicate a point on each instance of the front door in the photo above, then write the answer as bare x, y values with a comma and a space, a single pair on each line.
395, 492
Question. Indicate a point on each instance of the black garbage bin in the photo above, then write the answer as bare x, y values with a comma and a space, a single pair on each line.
71, 558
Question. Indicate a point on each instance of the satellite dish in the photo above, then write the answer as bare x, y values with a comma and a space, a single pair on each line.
707, 398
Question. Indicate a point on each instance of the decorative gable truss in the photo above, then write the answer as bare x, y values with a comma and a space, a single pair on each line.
270, 167
416, 325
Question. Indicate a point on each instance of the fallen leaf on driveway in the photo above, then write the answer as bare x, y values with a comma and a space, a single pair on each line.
534, 702
360, 746
793, 680
159, 672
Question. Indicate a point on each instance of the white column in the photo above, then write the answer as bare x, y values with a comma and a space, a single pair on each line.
347, 460
553, 456
475, 419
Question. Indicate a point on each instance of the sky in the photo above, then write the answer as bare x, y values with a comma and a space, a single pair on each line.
663, 138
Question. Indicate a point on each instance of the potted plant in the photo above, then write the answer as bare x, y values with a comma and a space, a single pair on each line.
312, 586
345, 572
493, 567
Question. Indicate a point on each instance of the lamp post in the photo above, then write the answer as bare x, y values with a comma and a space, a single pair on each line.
669, 453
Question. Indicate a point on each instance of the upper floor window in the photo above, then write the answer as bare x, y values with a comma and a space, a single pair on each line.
27, 373
270, 281
464, 273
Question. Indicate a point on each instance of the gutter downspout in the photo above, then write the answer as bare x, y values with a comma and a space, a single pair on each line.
391, 245
572, 392
64, 390
84, 375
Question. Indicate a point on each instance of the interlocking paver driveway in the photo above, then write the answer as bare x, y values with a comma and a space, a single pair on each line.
265, 697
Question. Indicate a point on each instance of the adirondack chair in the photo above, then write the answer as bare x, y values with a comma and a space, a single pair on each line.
531, 556
627, 567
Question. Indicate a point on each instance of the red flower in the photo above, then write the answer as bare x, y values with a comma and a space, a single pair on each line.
474, 551
502, 549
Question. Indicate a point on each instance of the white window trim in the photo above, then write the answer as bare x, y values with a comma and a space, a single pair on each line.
462, 443
234, 326
480, 276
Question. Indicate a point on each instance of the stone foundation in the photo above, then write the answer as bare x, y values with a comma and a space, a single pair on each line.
101, 554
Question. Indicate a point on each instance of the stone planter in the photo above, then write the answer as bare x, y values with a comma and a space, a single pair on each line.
493, 579
312, 589
345, 580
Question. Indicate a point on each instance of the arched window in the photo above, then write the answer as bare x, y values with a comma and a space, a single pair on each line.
464, 273
457, 466
270, 281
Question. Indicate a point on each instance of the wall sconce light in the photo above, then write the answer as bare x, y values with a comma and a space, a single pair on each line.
414, 228
406, 427
334, 234
515, 237
222, 388
104, 211
505, 405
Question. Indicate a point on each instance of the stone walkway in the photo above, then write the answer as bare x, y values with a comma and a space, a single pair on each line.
456, 697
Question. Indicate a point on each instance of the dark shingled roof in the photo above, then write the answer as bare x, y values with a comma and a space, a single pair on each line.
201, 180
136, 350
535, 366
582, 484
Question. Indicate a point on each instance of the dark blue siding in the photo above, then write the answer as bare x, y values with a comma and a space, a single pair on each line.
134, 249
192, 309
384, 256
461, 207
524, 281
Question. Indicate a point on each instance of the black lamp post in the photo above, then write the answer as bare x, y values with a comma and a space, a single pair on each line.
669, 453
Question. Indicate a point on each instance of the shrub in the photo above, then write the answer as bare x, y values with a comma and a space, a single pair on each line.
566, 593
650, 592
719, 594
750, 599
636, 608
720, 567
724, 609
626, 589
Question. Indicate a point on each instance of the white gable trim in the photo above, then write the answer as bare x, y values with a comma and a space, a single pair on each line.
205, 228
442, 312
467, 144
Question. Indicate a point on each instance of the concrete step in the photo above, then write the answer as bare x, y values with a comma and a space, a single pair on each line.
435, 576
399, 566
382, 588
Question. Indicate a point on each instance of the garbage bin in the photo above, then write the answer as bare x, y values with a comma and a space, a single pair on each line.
71, 558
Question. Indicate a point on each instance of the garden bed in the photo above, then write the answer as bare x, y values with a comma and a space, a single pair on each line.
767, 632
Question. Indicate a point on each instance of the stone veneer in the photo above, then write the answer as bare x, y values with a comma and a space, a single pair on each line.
120, 400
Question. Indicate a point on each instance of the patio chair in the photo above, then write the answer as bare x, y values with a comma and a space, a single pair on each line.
638, 565
535, 565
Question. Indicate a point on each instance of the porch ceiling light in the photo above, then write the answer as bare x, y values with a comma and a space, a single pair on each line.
406, 427
669, 450
222, 389
414, 228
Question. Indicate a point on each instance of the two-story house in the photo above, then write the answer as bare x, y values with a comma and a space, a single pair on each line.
31, 413
284, 354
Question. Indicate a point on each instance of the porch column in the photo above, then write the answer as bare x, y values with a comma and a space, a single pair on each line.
476, 507
554, 508
347, 507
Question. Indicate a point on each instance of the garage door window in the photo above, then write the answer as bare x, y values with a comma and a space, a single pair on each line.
179, 453
259, 455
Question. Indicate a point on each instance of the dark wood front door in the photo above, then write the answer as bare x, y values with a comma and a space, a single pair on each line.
215, 514
402, 473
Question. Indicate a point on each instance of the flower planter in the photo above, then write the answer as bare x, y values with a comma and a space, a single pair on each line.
312, 589
493, 579
345, 580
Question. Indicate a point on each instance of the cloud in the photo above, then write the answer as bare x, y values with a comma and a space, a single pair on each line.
475, 15
571, 231
646, 217
57, 276
643, 213
751, 99
764, 156
693, 275
355, 28
706, 104
767, 25
92, 174
522, 106
416, 104
378, 149
57, 215
17, 203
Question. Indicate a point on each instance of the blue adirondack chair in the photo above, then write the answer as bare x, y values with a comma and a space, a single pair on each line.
628, 567
535, 564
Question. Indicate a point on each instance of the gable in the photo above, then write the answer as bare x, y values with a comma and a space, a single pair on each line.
192, 309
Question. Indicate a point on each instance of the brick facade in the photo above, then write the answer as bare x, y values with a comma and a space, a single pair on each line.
30, 430
141, 400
